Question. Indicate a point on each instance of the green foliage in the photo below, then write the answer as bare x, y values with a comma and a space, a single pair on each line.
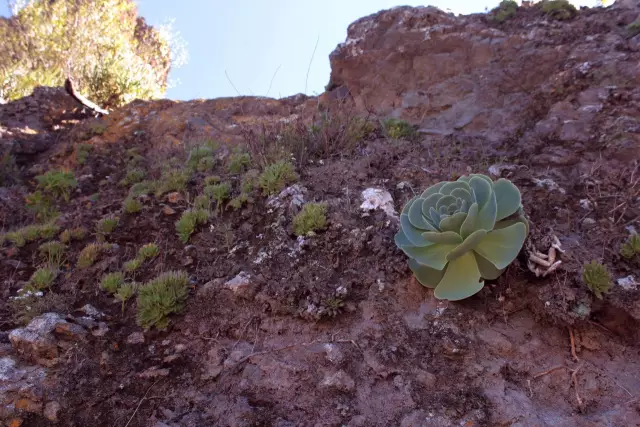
239, 201
506, 10
202, 202
88, 255
206, 164
633, 29
107, 224
42, 206
560, 10
312, 217
238, 162
631, 247
199, 153
8, 170
219, 193
399, 129
148, 251
82, 153
125, 292
597, 278
111, 282
78, 233
132, 205
52, 252
161, 297
188, 222
58, 183
172, 180
140, 188
133, 265
113, 56
43, 278
29, 303
276, 176
133, 176
211, 180
31, 233
459, 232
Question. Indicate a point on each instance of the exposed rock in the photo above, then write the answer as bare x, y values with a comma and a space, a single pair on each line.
91, 311
340, 381
333, 353
167, 210
36, 342
70, 331
135, 338
101, 331
174, 197
242, 286
588, 223
52, 411
628, 283
377, 198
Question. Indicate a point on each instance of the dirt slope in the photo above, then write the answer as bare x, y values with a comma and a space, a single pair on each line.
331, 329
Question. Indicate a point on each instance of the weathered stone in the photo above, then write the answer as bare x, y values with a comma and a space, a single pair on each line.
340, 381
242, 286
52, 411
91, 311
36, 342
168, 211
135, 338
101, 331
333, 353
70, 331
174, 197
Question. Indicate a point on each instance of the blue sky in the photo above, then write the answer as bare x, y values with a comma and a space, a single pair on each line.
254, 41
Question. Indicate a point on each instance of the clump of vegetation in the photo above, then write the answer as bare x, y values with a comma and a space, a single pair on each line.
111, 282
42, 206
633, 29
82, 152
631, 247
58, 183
78, 233
124, 292
201, 158
89, 255
505, 10
276, 176
172, 180
312, 217
107, 225
52, 252
211, 180
31, 233
457, 233
560, 10
148, 251
202, 202
239, 201
30, 303
117, 57
161, 297
238, 162
142, 188
597, 278
132, 205
133, 265
133, 176
219, 193
43, 278
399, 129
188, 222
8, 170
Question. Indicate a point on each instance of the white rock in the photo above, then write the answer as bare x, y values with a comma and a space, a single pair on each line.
586, 204
242, 286
549, 184
135, 338
376, 198
496, 170
628, 283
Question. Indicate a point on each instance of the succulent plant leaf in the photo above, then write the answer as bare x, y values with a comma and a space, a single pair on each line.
427, 276
481, 190
508, 198
464, 194
429, 203
487, 214
461, 279
415, 216
467, 245
447, 237
469, 224
453, 222
401, 239
434, 256
488, 271
434, 189
449, 187
502, 246
435, 216
444, 202
413, 234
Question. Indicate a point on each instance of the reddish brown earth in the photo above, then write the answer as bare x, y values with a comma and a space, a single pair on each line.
333, 330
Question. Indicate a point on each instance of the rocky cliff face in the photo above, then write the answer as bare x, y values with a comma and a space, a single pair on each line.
329, 328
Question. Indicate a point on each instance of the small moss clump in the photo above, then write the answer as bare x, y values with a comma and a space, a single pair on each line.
631, 248
133, 176
142, 188
202, 202
198, 154
219, 193
57, 183
172, 180
211, 180
89, 255
312, 217
111, 282
560, 10
52, 252
276, 176
148, 251
132, 205
399, 129
133, 265
31, 233
597, 278
42, 206
238, 162
107, 225
188, 222
161, 297
43, 278
124, 292
82, 153
78, 233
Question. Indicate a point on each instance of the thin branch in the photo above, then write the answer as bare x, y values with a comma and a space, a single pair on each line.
140, 403
272, 78
310, 61
234, 86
